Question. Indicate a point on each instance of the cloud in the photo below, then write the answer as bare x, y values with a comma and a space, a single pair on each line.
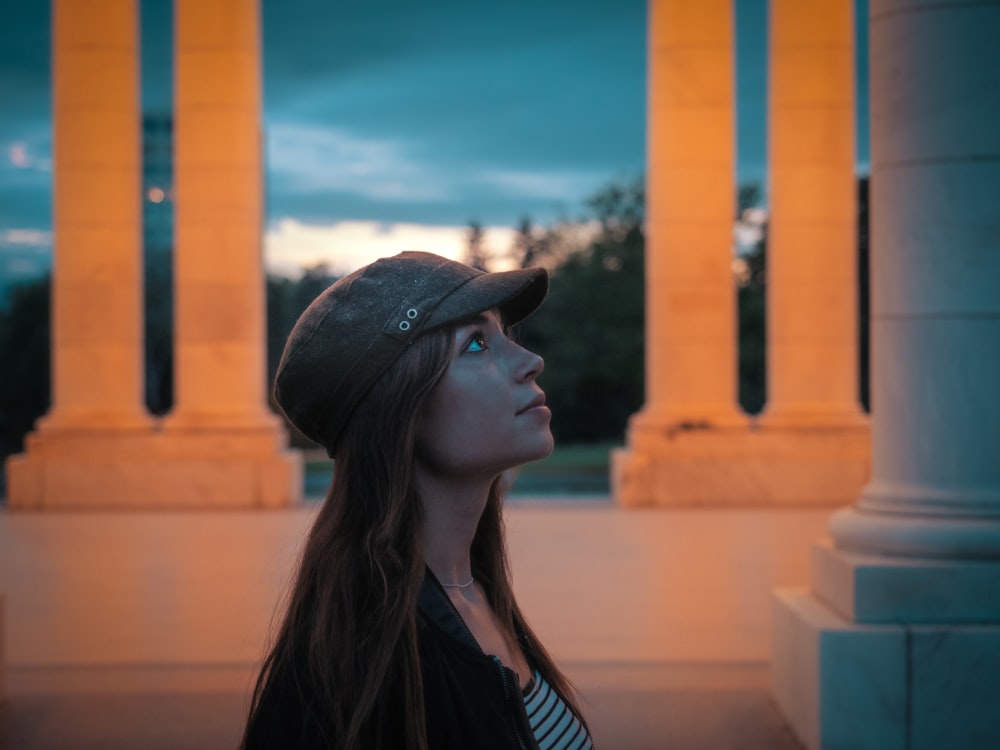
19, 155
305, 158
22, 155
30, 239
445, 111
322, 174
347, 245
545, 185
25, 255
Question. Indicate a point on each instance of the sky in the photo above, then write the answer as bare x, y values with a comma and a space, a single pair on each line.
391, 124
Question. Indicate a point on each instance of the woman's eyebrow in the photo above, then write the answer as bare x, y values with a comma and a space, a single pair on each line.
474, 320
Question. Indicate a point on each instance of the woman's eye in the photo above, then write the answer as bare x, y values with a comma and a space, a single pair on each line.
477, 343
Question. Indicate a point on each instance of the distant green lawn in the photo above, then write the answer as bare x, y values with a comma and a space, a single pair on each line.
588, 458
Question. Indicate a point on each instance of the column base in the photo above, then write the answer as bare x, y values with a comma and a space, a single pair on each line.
689, 466
81, 469
921, 535
877, 589
841, 684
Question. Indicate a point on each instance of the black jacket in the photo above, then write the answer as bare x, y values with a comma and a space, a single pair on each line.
471, 699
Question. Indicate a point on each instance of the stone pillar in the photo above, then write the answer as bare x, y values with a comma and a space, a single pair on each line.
97, 373
897, 645
230, 441
219, 280
690, 301
690, 444
812, 275
98, 448
690, 305
813, 426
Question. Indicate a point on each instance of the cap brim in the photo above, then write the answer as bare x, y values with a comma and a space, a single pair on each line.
517, 294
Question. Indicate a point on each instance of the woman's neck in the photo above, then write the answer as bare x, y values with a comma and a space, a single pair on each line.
452, 509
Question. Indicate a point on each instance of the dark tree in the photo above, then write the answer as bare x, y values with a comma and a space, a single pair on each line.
534, 246
159, 332
752, 311
590, 329
864, 297
25, 353
475, 252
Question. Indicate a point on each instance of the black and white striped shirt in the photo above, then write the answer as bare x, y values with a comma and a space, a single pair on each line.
553, 723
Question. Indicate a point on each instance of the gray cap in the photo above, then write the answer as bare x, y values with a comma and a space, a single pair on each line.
360, 325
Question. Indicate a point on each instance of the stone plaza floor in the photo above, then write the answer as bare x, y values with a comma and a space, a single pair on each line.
144, 629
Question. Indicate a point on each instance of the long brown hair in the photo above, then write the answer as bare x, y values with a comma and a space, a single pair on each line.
345, 659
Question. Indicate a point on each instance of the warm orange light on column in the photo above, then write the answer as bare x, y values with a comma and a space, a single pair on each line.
97, 374
678, 444
690, 307
222, 447
812, 341
219, 283
691, 445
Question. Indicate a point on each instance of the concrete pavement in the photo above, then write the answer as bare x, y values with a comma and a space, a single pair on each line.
142, 630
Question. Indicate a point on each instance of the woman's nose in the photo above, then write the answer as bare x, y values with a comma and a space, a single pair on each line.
530, 366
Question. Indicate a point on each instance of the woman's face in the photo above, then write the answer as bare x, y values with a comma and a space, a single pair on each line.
487, 414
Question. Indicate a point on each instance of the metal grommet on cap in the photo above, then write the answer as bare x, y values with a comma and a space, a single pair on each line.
405, 321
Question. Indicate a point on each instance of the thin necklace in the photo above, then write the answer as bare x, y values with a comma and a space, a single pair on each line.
459, 585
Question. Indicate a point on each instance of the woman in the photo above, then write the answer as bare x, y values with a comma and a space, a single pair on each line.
402, 630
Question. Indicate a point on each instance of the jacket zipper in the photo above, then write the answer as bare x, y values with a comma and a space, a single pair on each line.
507, 697
503, 677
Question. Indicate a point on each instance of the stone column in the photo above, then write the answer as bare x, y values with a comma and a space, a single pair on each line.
72, 457
97, 373
690, 301
219, 283
812, 275
225, 444
222, 446
811, 444
898, 643
690, 305
691, 444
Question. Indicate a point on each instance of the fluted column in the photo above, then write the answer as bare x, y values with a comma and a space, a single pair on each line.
812, 328
690, 302
219, 283
898, 643
935, 489
97, 373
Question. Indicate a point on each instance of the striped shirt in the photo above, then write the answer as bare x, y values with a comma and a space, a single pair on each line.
553, 723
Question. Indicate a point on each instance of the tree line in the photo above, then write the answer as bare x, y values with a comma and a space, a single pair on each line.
590, 330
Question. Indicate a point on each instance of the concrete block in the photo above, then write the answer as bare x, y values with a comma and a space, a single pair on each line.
840, 685
196, 469
956, 681
856, 686
876, 589
694, 465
